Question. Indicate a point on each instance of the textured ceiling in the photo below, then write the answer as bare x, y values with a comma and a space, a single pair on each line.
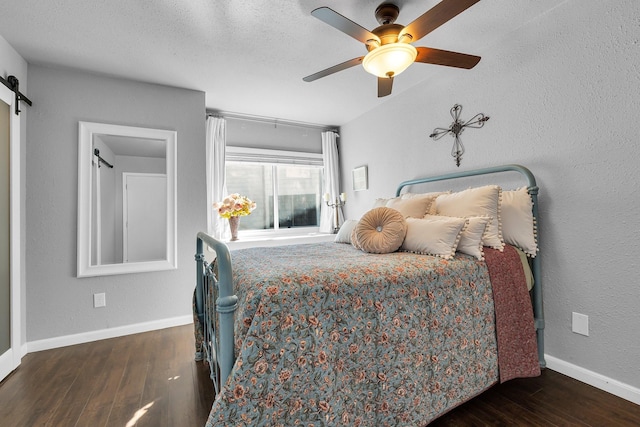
248, 56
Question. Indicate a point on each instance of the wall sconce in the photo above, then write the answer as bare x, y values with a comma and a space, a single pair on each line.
335, 205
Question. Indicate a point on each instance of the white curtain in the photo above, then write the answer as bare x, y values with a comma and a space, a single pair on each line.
216, 185
331, 182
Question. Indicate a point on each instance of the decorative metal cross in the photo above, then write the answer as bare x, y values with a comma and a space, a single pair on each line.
457, 127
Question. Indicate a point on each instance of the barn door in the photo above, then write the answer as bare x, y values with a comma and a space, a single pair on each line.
9, 234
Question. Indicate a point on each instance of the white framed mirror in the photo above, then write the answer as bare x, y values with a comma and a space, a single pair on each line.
126, 199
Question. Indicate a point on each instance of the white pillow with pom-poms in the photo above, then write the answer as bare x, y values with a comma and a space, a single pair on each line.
479, 201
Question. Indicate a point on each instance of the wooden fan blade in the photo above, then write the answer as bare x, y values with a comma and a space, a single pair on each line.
347, 64
347, 26
444, 57
385, 84
436, 16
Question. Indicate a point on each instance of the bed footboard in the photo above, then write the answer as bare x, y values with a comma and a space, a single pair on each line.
215, 305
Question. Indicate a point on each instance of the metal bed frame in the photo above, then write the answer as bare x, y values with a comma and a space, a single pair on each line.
214, 289
532, 189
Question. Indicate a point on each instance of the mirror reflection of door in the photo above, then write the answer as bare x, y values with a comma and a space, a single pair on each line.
5, 270
117, 157
144, 217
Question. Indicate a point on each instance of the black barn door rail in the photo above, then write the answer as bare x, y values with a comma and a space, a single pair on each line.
14, 85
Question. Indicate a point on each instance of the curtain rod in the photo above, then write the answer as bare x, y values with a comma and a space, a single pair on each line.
14, 85
272, 120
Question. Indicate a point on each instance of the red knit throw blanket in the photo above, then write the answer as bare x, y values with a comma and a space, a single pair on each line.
517, 345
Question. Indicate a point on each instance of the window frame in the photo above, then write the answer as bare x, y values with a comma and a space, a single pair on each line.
275, 158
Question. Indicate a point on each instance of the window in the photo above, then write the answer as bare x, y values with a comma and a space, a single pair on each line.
286, 186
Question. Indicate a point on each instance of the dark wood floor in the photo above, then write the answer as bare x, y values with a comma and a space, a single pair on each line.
150, 379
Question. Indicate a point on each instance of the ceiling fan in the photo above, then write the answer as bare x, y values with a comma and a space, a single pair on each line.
389, 45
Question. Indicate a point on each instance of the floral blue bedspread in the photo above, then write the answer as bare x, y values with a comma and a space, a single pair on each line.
328, 335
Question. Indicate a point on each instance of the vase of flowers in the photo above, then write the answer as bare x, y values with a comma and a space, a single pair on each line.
232, 208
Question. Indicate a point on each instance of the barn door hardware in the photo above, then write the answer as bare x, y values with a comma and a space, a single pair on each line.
14, 85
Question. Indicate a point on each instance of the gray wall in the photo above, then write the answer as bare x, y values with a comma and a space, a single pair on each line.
58, 303
562, 93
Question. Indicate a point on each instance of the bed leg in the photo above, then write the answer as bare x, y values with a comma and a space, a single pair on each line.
226, 307
540, 337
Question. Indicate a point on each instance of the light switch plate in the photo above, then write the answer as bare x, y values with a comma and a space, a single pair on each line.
99, 300
580, 324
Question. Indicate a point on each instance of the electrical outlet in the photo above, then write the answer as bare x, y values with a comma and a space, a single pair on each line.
580, 324
99, 300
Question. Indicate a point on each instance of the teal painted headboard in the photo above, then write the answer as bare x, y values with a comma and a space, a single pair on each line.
532, 188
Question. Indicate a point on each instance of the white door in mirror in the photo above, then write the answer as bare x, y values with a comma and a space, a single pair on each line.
145, 217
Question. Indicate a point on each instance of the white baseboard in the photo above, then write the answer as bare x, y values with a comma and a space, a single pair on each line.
102, 334
615, 387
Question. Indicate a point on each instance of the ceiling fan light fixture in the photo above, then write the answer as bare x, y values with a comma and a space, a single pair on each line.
390, 59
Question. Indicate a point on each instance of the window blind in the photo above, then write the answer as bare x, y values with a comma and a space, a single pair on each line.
255, 155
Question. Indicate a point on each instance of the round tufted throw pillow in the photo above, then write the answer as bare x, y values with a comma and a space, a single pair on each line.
381, 231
